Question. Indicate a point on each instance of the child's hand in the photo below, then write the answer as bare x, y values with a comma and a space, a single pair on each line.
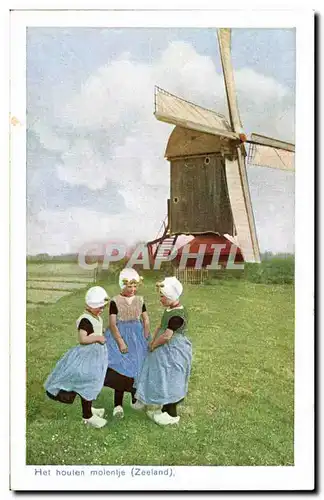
147, 335
101, 339
122, 347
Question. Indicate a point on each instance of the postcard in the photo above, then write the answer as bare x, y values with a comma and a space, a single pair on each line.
162, 167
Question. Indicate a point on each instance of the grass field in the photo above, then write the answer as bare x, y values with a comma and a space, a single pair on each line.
45, 296
54, 285
48, 282
239, 410
57, 269
48, 278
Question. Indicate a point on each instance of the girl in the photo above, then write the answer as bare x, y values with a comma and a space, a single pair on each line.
127, 340
82, 369
165, 374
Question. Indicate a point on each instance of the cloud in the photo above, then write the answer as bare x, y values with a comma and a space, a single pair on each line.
48, 138
138, 159
67, 231
81, 166
107, 135
266, 106
118, 99
112, 95
259, 89
272, 194
121, 92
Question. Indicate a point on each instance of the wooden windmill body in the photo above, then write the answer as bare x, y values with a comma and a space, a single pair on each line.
209, 192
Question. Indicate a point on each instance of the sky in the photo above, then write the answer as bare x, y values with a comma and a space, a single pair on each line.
95, 152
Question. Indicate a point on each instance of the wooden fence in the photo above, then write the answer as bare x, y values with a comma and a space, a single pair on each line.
190, 275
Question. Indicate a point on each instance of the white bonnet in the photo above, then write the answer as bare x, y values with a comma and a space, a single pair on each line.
96, 296
128, 274
171, 288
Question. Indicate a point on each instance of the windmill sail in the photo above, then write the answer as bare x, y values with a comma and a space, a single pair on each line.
267, 156
172, 109
263, 140
267, 152
224, 41
238, 187
239, 195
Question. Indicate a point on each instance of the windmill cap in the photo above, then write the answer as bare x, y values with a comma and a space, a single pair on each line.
96, 296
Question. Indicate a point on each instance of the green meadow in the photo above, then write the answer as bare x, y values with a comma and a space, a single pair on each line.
240, 405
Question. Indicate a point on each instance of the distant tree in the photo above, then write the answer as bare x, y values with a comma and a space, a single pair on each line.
43, 256
266, 255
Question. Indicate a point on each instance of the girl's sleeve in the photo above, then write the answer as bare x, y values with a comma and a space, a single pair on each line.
113, 307
86, 325
175, 322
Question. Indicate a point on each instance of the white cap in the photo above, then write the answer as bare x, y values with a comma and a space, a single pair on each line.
171, 288
126, 275
96, 296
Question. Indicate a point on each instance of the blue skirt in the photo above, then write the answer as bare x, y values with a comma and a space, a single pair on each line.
82, 370
129, 364
166, 371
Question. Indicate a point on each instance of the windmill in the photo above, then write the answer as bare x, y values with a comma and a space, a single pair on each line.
208, 157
